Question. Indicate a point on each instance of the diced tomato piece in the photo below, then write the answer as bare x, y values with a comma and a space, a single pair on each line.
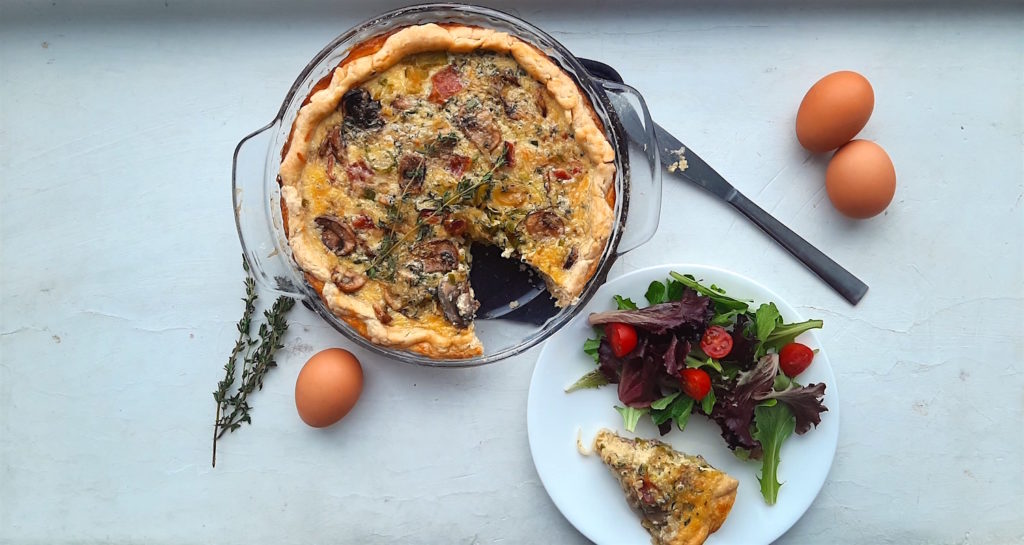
362, 221
359, 171
561, 174
445, 84
454, 226
509, 154
458, 164
429, 216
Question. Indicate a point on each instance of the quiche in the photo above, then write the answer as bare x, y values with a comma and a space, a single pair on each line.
681, 498
423, 142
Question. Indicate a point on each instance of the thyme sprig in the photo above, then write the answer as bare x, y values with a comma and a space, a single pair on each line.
258, 359
443, 205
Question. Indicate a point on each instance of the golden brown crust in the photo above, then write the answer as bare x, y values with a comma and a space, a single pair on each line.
369, 60
681, 498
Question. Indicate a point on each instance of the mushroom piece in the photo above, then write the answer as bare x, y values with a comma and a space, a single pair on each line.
381, 313
412, 170
337, 236
457, 302
570, 259
360, 110
543, 224
348, 281
437, 255
478, 125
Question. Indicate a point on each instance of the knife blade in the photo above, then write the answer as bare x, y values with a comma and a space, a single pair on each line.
680, 161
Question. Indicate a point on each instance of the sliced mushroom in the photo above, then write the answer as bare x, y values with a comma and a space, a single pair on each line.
412, 170
402, 103
457, 302
382, 314
543, 224
437, 255
570, 259
332, 144
337, 236
521, 104
348, 281
360, 110
479, 126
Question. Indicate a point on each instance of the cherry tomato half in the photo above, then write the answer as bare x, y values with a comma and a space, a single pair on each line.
794, 358
717, 342
696, 383
622, 337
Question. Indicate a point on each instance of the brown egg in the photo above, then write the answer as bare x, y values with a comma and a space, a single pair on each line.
328, 387
834, 110
860, 179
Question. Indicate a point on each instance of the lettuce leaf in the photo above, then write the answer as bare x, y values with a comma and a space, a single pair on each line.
773, 426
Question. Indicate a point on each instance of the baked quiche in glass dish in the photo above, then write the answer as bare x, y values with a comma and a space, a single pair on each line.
438, 132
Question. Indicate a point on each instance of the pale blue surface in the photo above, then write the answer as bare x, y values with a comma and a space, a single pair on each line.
120, 277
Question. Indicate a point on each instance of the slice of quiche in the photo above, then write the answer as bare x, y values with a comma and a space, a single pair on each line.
681, 498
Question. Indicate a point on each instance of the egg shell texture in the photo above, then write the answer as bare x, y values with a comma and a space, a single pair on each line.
860, 179
328, 387
834, 110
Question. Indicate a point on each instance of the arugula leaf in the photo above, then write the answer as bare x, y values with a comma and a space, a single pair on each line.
766, 319
656, 293
787, 333
773, 426
590, 347
685, 408
593, 379
726, 318
678, 410
675, 289
624, 303
695, 363
708, 403
630, 416
664, 402
716, 295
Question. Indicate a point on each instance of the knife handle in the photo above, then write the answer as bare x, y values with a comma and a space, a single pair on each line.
841, 280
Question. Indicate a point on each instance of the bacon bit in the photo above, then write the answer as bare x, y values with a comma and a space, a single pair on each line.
330, 168
457, 165
560, 174
382, 314
542, 103
362, 221
647, 492
359, 171
576, 169
445, 84
454, 226
428, 216
402, 103
509, 153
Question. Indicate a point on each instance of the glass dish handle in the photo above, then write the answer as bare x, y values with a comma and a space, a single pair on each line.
644, 187
258, 216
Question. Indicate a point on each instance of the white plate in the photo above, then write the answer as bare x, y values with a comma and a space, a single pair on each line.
588, 494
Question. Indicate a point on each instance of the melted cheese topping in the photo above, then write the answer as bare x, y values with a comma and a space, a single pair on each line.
443, 137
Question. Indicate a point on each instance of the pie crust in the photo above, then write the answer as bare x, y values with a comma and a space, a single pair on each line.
563, 238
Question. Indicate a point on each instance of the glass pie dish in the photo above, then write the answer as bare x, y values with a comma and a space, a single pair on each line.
515, 312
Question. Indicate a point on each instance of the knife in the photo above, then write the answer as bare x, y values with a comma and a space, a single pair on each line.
681, 161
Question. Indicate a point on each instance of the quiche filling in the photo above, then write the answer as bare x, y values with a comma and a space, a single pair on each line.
432, 153
681, 498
